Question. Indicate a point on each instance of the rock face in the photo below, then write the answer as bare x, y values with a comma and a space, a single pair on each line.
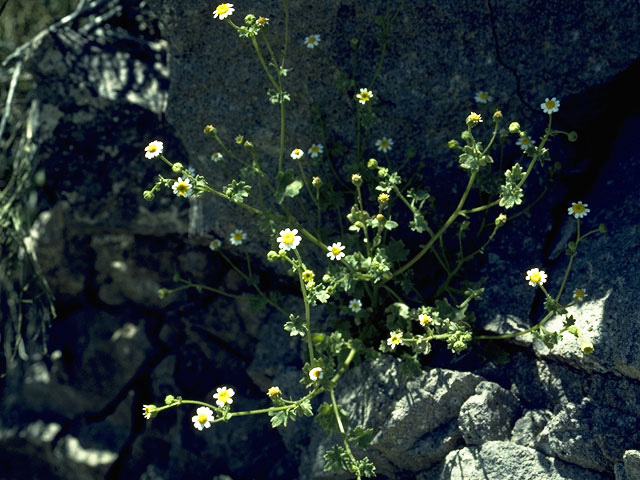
129, 72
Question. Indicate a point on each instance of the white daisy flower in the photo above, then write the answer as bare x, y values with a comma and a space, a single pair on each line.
578, 209
424, 319
550, 105
525, 142
315, 150
288, 239
203, 418
395, 339
483, 97
223, 11
315, 374
181, 187
336, 251
154, 149
384, 144
215, 244
312, 41
364, 96
536, 277
579, 294
355, 305
296, 153
216, 157
223, 396
237, 237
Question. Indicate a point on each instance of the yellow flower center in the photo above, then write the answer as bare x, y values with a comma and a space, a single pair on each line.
273, 391
237, 237
550, 104
484, 95
152, 148
202, 418
578, 208
311, 40
535, 277
222, 9
315, 149
424, 319
288, 238
475, 117
335, 250
579, 293
395, 339
307, 275
182, 188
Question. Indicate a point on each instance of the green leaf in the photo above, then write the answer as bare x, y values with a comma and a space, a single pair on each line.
293, 189
295, 326
361, 436
279, 418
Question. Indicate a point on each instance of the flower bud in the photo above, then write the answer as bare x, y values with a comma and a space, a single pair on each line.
177, 167
473, 119
239, 139
602, 228
272, 256
497, 116
500, 220
380, 217
372, 163
316, 182
572, 136
169, 399
586, 346
356, 179
248, 144
465, 136
250, 19
453, 144
148, 195
383, 198
162, 293
210, 129
326, 278
514, 127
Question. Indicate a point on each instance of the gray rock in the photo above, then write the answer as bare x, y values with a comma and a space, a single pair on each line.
496, 460
415, 420
489, 414
527, 427
631, 459
589, 436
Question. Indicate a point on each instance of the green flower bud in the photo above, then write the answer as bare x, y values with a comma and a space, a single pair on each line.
272, 256
500, 220
356, 179
248, 144
465, 135
602, 228
453, 144
318, 337
497, 116
514, 127
326, 278
239, 139
148, 195
210, 129
572, 136
162, 293
177, 167
250, 19
573, 330
586, 346
169, 399
316, 182
372, 163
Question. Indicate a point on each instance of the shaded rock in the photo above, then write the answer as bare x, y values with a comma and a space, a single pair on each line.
589, 436
631, 459
414, 421
488, 415
496, 460
526, 429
